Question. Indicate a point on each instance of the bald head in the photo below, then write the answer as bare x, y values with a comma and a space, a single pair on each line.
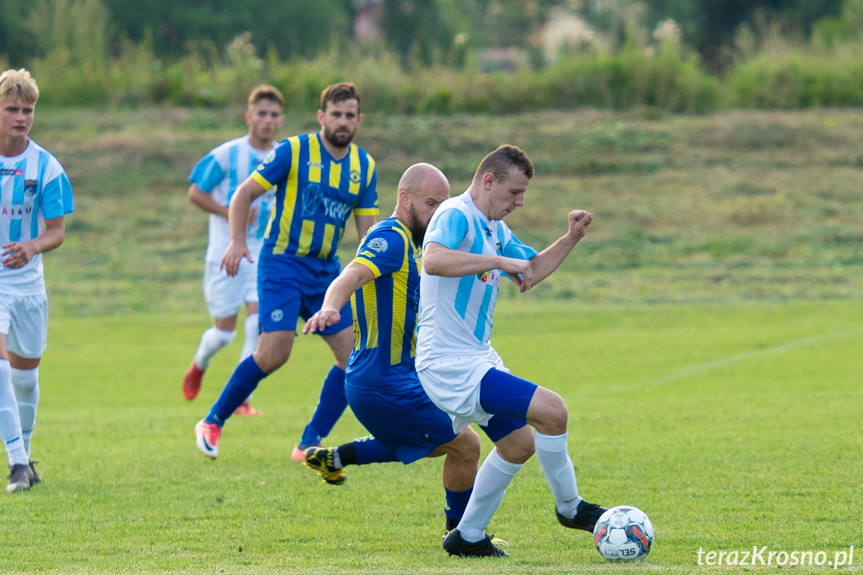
421, 178
422, 188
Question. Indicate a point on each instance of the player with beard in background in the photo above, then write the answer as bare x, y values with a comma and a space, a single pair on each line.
320, 179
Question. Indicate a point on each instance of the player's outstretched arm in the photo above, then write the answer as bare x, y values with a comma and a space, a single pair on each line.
352, 278
17, 254
550, 258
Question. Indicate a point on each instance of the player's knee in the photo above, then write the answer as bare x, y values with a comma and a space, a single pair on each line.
548, 413
269, 360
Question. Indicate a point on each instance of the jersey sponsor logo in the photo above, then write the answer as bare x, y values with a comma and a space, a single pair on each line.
16, 211
11, 172
491, 276
312, 195
277, 315
379, 245
336, 210
315, 165
314, 201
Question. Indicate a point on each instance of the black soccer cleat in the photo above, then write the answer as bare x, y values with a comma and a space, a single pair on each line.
455, 545
34, 477
586, 516
20, 478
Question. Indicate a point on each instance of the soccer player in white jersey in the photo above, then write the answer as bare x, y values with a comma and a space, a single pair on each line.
214, 179
35, 194
466, 250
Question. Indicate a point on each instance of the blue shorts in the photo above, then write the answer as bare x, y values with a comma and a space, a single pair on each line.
290, 287
507, 398
397, 411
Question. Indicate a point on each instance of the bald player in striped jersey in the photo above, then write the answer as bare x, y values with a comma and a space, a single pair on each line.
382, 284
35, 195
321, 179
214, 180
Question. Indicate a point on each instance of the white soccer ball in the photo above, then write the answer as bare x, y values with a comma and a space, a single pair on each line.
623, 533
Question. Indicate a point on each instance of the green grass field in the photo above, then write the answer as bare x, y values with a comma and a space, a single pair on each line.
705, 335
731, 426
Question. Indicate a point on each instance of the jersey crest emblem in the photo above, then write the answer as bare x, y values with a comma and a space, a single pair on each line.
379, 245
355, 177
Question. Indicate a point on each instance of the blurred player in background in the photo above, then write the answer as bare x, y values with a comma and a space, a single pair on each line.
467, 248
382, 284
320, 180
35, 195
214, 179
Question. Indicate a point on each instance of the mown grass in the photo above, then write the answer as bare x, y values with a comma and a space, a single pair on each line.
731, 426
736, 206
705, 336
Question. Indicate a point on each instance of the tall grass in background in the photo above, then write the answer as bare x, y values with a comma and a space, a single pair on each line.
81, 66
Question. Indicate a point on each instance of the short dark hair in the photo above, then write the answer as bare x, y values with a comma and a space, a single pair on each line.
265, 92
501, 161
339, 93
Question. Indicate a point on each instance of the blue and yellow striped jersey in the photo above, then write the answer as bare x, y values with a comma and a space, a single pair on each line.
315, 195
385, 310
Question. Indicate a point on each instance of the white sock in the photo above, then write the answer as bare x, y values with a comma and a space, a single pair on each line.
553, 457
212, 341
10, 424
25, 384
250, 327
492, 479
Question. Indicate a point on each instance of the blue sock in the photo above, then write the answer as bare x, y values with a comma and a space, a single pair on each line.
243, 381
370, 450
331, 405
456, 502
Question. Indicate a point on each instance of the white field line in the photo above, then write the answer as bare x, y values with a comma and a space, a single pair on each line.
722, 362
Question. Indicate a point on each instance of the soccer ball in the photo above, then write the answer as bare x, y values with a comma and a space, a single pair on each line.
623, 533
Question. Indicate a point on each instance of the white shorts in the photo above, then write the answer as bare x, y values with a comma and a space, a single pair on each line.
225, 294
24, 320
453, 385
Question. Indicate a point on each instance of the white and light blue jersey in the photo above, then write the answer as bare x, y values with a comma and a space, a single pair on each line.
33, 188
456, 313
220, 173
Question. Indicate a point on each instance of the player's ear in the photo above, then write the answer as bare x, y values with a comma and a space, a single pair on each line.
488, 179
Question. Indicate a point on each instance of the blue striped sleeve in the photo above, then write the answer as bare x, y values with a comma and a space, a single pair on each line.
514, 248
207, 173
385, 249
277, 164
56, 197
448, 228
